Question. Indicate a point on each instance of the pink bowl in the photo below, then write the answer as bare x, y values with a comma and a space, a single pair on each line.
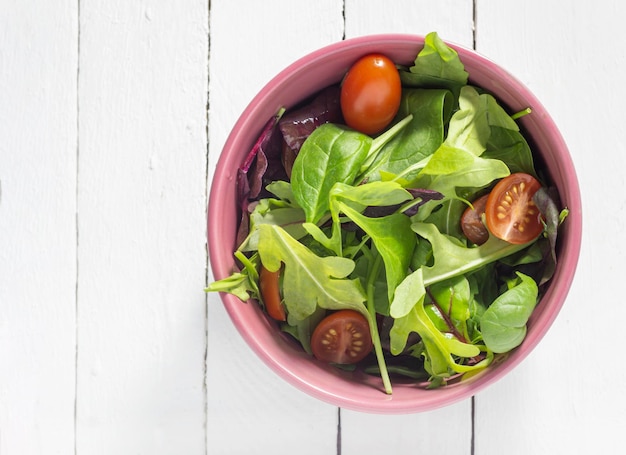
353, 390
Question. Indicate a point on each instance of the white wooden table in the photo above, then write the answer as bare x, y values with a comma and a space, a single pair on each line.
112, 117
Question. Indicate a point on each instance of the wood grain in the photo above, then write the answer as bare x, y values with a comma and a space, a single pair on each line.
38, 71
112, 118
141, 203
564, 398
249, 407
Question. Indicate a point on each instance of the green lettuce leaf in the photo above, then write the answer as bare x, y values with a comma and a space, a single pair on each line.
503, 324
309, 280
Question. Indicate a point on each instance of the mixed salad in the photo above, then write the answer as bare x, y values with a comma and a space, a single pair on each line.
396, 222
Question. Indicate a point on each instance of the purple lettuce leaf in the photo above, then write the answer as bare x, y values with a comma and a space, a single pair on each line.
546, 202
298, 124
253, 171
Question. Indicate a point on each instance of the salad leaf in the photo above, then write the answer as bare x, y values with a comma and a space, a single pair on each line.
275, 212
242, 284
298, 124
453, 259
436, 65
510, 147
358, 197
545, 199
441, 350
449, 306
420, 138
479, 174
503, 324
469, 127
331, 154
309, 280
393, 239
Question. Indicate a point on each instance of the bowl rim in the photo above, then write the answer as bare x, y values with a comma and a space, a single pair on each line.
294, 372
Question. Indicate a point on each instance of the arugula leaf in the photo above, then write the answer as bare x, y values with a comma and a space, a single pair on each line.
276, 212
479, 174
243, 284
449, 305
503, 324
372, 194
309, 280
393, 239
453, 259
441, 350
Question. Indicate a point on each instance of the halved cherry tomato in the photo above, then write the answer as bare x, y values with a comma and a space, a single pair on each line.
270, 293
370, 94
342, 337
510, 212
472, 223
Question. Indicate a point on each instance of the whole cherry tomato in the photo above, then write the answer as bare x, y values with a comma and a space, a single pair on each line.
370, 94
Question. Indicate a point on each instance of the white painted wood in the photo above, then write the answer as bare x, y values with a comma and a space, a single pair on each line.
567, 397
445, 430
427, 432
38, 64
452, 19
141, 204
250, 409
107, 341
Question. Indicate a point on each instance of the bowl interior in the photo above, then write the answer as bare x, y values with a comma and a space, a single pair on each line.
294, 84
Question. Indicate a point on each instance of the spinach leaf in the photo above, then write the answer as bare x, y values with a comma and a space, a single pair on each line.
510, 147
334, 154
309, 280
420, 138
436, 65
469, 126
503, 324
331, 154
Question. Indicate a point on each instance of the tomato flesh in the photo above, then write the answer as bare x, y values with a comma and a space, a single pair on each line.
370, 94
510, 212
472, 222
270, 293
343, 337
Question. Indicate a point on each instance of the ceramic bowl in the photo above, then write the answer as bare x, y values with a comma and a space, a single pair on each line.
297, 82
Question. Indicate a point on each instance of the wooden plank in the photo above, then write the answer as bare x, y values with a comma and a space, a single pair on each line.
142, 165
250, 409
452, 19
38, 67
428, 432
566, 397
